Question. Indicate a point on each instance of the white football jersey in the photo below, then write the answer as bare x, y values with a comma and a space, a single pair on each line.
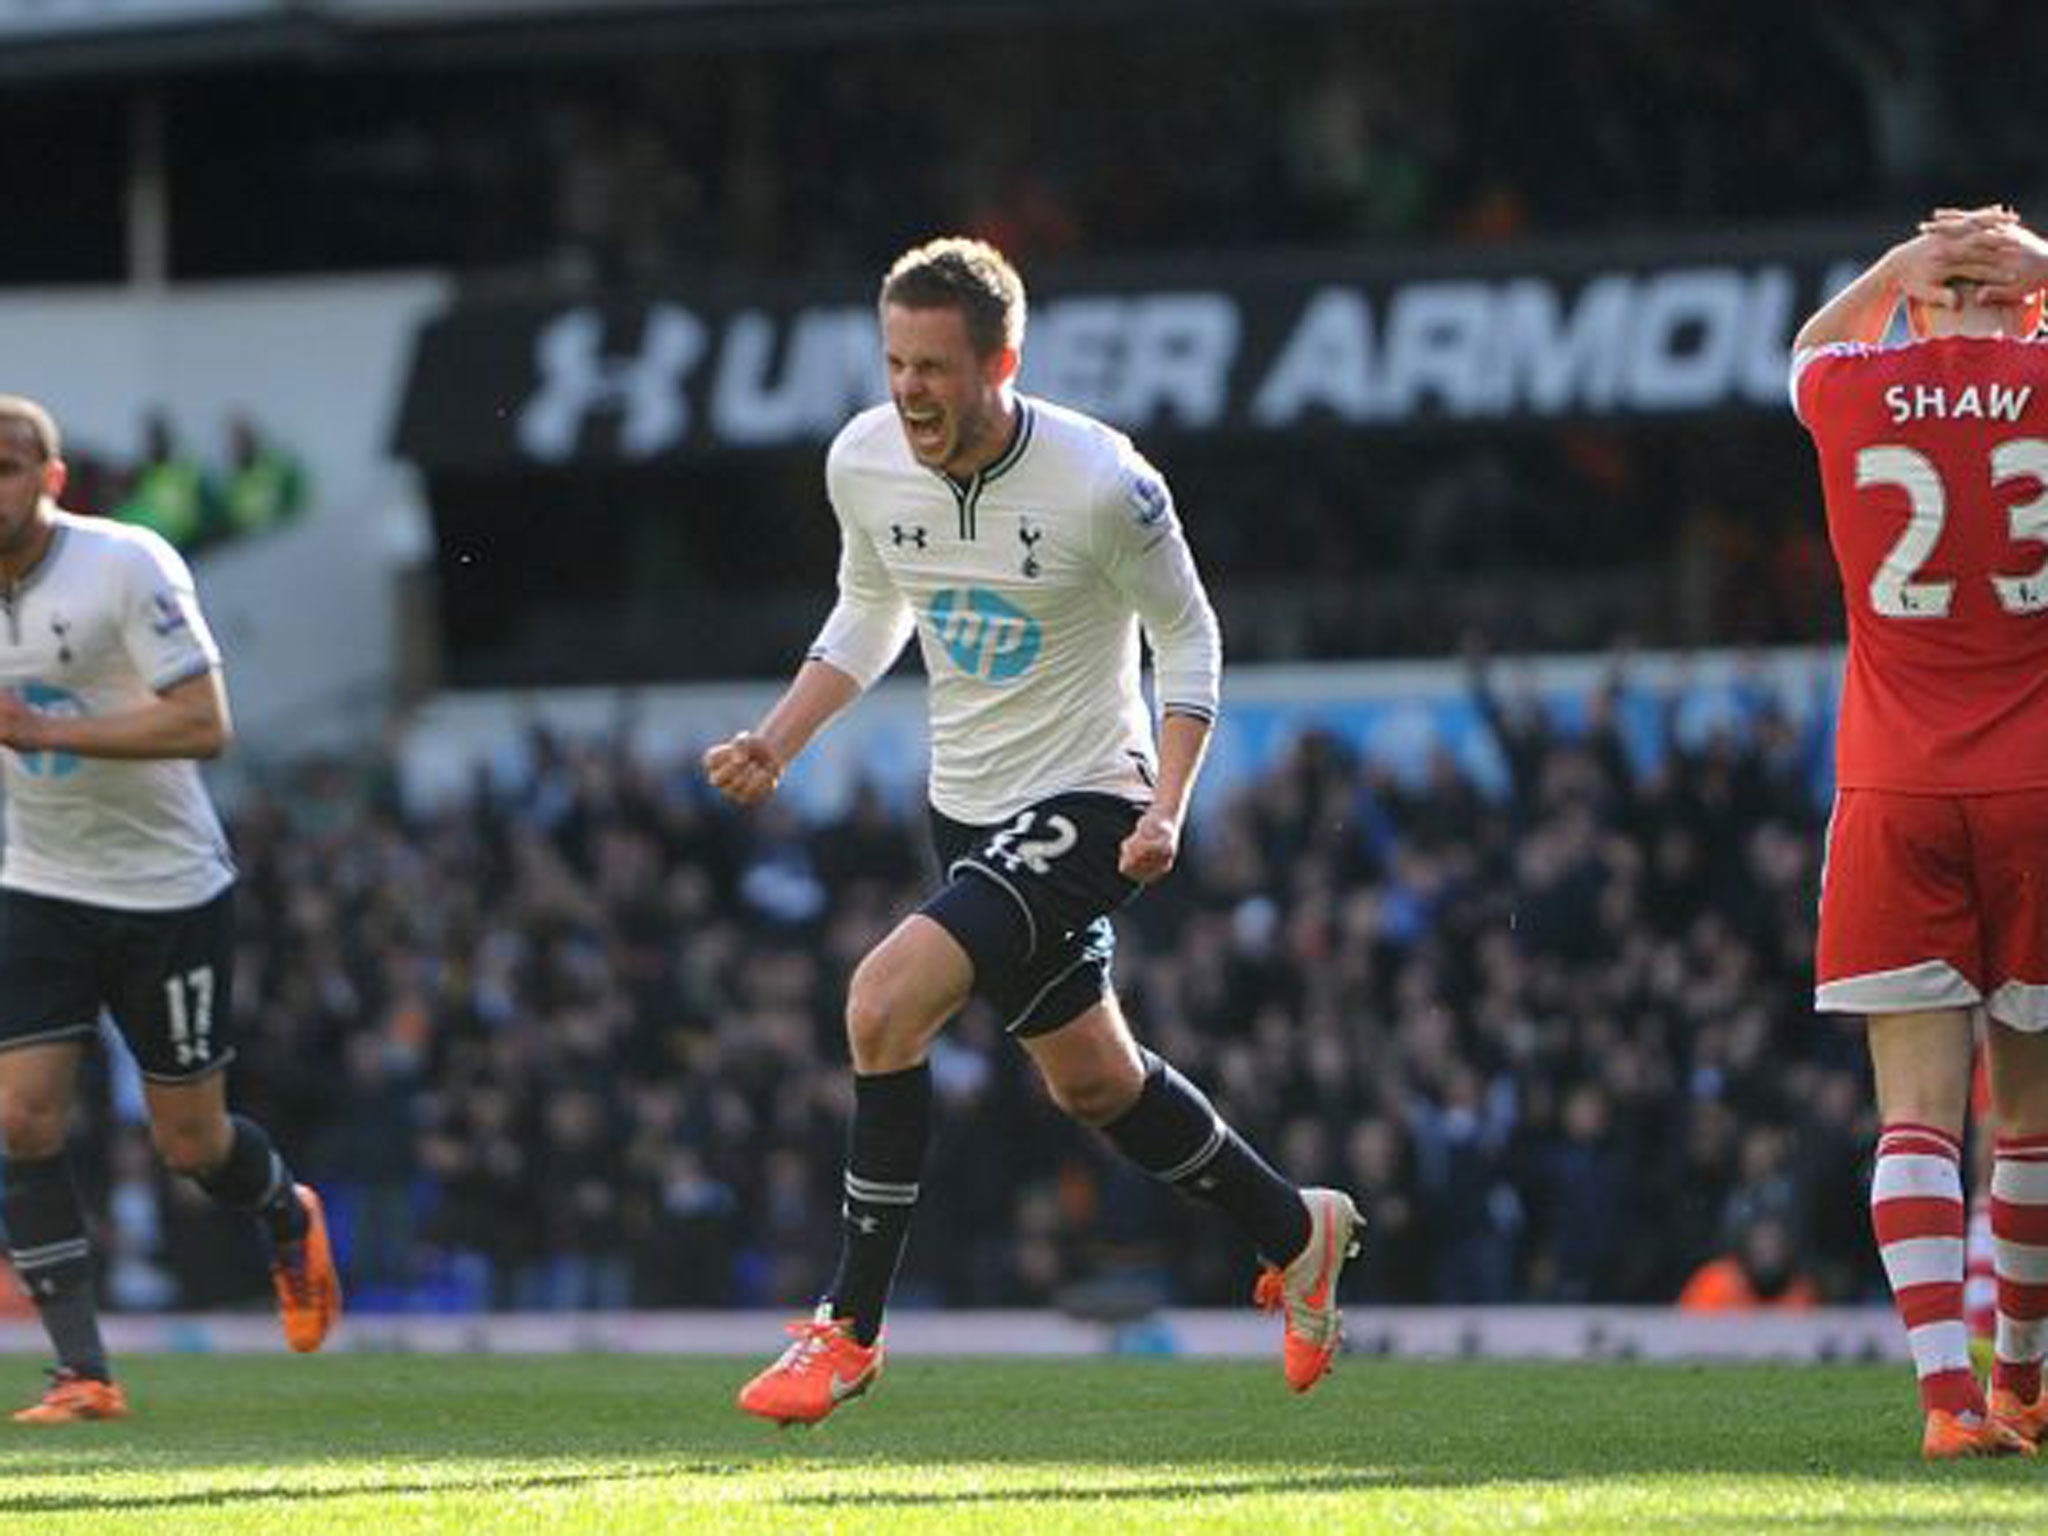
1026, 585
107, 619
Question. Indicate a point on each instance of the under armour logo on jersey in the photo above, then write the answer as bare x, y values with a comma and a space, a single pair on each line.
911, 535
1029, 537
579, 378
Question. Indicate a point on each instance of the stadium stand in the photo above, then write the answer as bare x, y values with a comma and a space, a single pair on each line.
571, 1041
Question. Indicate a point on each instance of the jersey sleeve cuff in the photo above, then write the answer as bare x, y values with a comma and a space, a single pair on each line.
197, 667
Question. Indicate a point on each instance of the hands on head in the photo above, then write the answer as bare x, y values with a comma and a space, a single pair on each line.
1989, 246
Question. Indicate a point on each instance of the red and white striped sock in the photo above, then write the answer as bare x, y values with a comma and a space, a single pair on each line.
1980, 1270
1916, 1210
2019, 1225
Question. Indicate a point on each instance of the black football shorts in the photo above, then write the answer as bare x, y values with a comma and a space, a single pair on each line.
166, 977
1029, 900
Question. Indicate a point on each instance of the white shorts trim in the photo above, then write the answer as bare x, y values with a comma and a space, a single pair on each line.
1030, 922
1039, 996
2020, 1005
52, 1036
1909, 989
198, 1073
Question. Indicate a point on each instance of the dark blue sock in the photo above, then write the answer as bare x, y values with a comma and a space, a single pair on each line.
892, 1125
47, 1242
1174, 1133
254, 1178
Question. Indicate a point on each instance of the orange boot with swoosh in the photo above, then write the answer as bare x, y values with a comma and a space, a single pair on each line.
1306, 1290
823, 1367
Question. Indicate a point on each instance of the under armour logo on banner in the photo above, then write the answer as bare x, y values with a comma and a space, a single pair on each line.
580, 379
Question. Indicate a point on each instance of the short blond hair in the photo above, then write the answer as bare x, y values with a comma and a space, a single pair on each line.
42, 426
969, 275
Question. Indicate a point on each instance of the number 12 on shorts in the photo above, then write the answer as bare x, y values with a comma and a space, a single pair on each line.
188, 1001
1013, 848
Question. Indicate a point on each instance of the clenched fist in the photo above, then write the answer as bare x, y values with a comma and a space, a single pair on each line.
744, 769
1151, 848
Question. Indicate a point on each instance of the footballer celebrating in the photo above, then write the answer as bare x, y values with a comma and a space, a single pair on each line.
1026, 545
116, 894
1934, 900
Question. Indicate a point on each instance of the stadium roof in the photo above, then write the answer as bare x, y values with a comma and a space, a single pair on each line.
109, 38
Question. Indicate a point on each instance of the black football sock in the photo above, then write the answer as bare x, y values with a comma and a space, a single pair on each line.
46, 1240
1174, 1133
892, 1125
254, 1178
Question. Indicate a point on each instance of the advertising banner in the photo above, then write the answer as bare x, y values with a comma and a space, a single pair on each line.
1240, 349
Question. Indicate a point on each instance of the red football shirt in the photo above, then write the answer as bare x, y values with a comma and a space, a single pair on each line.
1934, 465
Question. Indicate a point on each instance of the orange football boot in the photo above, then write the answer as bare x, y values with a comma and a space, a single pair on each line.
1952, 1437
2027, 1420
74, 1399
1307, 1288
302, 1274
821, 1369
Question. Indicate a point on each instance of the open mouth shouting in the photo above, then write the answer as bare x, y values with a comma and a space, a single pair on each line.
926, 429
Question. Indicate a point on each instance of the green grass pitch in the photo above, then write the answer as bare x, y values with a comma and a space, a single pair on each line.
389, 1444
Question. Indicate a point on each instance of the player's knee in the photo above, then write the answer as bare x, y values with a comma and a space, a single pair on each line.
883, 1026
1095, 1098
32, 1125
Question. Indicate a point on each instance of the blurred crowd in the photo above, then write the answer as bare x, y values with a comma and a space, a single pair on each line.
1090, 132
195, 501
573, 1041
1238, 127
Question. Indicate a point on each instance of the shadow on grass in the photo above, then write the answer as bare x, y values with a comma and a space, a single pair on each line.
1376, 1480
116, 1502
1196, 1430
1179, 1488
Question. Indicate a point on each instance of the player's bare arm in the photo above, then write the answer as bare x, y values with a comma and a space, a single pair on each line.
1920, 268
1148, 853
189, 719
747, 767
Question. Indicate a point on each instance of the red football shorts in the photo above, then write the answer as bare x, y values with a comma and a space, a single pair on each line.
1936, 901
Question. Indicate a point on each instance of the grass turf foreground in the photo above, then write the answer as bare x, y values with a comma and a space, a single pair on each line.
389, 1444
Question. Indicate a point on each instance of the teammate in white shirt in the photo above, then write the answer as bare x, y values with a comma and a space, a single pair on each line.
1026, 545
116, 894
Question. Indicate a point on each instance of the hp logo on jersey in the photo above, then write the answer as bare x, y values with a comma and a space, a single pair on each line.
987, 636
46, 700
